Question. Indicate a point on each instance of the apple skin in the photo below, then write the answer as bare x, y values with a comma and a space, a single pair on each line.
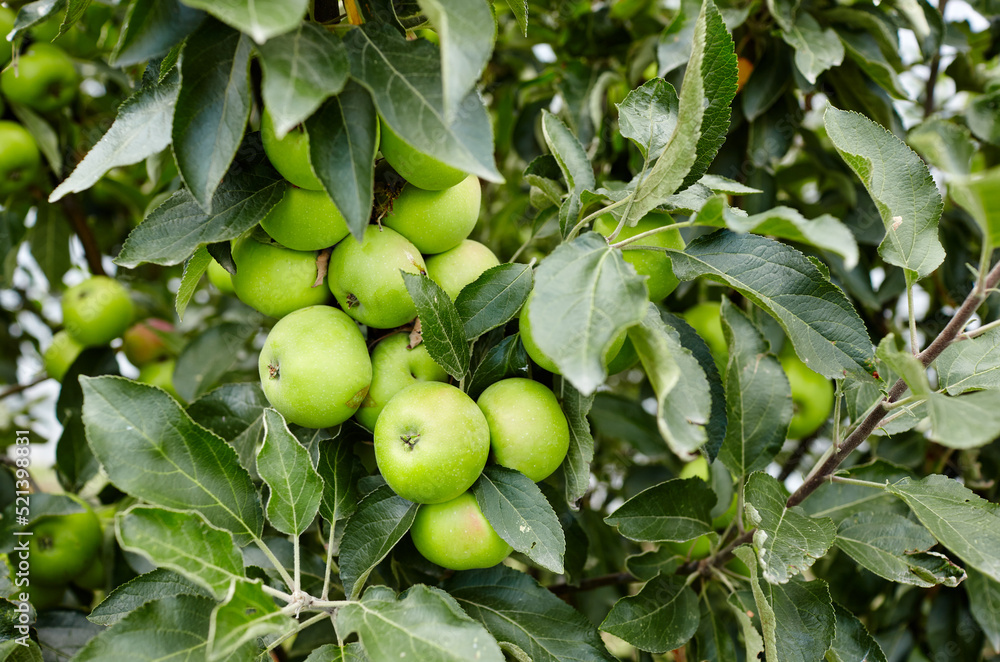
459, 266
693, 550
528, 429
305, 220
289, 155
45, 80
812, 397
93, 577
142, 344
19, 157
419, 169
656, 265
60, 355
431, 442
544, 362
314, 367
160, 373
624, 359
43, 597
436, 221
365, 278
220, 278
707, 321
394, 367
97, 310
6, 25
273, 279
456, 535
696, 468
63, 546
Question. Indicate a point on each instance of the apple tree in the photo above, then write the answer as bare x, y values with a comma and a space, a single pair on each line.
542, 330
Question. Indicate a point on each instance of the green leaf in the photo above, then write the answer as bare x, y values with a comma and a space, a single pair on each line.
404, 78
967, 421
520, 514
839, 501
757, 394
235, 412
49, 241
585, 294
983, 118
576, 466
979, 194
900, 185
863, 48
574, 164
787, 540
894, 354
423, 622
945, 145
753, 643
797, 617
302, 68
893, 547
382, 518
155, 585
247, 614
517, 610
284, 464
33, 13
44, 135
824, 328
332, 653
194, 268
683, 398
648, 116
208, 357
677, 510
714, 640
182, 542
505, 359
338, 467
467, 30
261, 19
151, 449
151, 28
343, 140
825, 231
661, 617
852, 642
494, 298
984, 602
962, 521
816, 48
136, 134
440, 325
212, 108
175, 229
520, 11
674, 45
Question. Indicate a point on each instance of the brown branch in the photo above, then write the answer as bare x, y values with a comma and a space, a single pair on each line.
79, 222
591, 583
933, 75
17, 388
795, 459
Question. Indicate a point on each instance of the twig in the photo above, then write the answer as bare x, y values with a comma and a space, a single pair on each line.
79, 222
17, 388
594, 582
795, 459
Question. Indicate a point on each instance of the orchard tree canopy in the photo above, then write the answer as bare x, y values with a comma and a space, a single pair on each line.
531, 330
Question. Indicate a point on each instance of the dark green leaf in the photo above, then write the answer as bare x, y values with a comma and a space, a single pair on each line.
235, 412
261, 19
338, 467
131, 595
382, 518
984, 602
331, 653
247, 614
852, 642
520, 9
208, 357
493, 298
194, 269
677, 510
151, 28
574, 165
505, 359
49, 241
44, 135
661, 617
816, 48
440, 325
983, 117
576, 466
284, 464
971, 364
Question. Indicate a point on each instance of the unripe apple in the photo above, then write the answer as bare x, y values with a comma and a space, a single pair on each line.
220, 278
289, 155
528, 429
93, 577
97, 310
394, 367
696, 468
812, 396
19, 158
314, 367
436, 221
142, 344
160, 373
305, 220
693, 550
273, 279
365, 277
44, 597
535, 352
456, 535
624, 359
706, 319
459, 266
63, 546
60, 355
44, 80
652, 263
419, 169
431, 442
6, 25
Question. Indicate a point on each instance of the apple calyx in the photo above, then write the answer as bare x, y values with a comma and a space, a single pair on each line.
273, 370
352, 301
410, 439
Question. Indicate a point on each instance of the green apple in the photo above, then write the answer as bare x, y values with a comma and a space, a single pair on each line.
93, 577
436, 221
696, 468
652, 263
543, 361
528, 429
812, 396
220, 278
459, 266
6, 48
419, 169
289, 155
314, 367
19, 158
160, 373
365, 279
456, 535
305, 220
44, 597
45, 79
722, 521
97, 310
63, 546
706, 319
394, 367
143, 342
693, 550
624, 359
273, 279
60, 354
431, 442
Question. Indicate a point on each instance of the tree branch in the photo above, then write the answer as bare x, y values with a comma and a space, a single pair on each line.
795, 459
594, 582
17, 388
79, 222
